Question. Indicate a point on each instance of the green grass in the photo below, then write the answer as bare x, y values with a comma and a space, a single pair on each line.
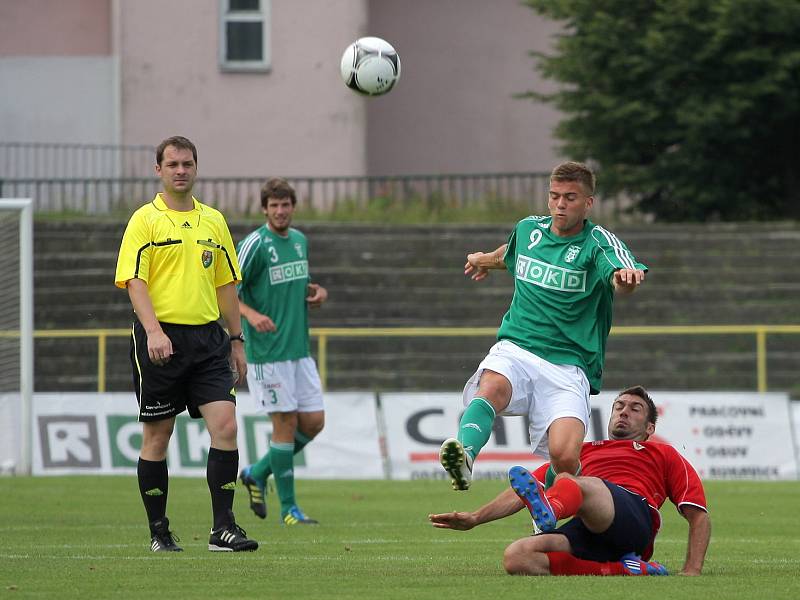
86, 537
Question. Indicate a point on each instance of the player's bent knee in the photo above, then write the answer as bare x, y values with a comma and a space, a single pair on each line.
511, 561
519, 559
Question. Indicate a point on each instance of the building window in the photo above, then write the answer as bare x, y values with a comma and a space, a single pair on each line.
244, 35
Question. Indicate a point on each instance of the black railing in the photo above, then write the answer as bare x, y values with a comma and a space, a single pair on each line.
240, 195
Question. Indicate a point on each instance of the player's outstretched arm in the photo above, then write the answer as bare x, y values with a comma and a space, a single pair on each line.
506, 503
625, 281
479, 263
699, 537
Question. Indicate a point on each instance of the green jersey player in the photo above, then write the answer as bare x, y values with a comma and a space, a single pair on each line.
551, 342
282, 377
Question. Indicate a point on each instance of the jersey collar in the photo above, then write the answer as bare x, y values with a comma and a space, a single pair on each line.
159, 203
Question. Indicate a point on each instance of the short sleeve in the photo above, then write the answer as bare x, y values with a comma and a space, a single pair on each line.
509, 258
683, 483
228, 268
133, 261
612, 254
249, 258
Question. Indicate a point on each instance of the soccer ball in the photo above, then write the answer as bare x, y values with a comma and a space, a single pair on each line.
370, 66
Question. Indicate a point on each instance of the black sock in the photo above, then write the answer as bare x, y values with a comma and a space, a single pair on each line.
153, 486
221, 474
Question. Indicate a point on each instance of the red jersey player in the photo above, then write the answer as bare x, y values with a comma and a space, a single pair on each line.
615, 502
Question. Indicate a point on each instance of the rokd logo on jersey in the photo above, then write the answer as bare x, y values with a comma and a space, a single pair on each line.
550, 276
288, 272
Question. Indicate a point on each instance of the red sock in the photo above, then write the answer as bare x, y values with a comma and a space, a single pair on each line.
563, 563
565, 497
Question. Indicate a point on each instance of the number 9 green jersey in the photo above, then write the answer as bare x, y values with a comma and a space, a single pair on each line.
563, 295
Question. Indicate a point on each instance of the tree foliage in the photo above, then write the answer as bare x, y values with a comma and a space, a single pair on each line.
691, 107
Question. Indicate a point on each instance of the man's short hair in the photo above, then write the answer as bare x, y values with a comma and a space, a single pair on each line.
279, 188
178, 141
638, 390
575, 171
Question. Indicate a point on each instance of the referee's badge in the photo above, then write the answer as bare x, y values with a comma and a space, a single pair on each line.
207, 258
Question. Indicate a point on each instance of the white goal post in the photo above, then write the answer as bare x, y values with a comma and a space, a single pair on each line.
16, 332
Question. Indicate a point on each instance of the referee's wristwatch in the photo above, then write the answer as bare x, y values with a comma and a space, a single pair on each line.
238, 338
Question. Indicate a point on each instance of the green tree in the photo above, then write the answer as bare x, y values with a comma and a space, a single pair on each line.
691, 107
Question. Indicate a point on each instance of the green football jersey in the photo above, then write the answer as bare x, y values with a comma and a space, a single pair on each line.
563, 295
274, 282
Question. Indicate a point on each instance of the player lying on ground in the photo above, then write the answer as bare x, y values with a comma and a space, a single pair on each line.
615, 503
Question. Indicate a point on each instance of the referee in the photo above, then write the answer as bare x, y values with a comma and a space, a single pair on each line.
178, 263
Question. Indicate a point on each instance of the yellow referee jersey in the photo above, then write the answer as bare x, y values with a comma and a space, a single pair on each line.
182, 256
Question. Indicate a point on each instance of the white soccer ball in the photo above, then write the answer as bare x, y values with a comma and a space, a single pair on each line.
370, 66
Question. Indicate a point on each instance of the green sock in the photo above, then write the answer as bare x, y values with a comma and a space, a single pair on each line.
282, 461
550, 476
300, 440
263, 469
476, 426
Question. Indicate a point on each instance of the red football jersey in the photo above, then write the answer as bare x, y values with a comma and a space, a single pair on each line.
653, 470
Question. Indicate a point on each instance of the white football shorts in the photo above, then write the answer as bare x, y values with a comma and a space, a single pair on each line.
286, 386
539, 389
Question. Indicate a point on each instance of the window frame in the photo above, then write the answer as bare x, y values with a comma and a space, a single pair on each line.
264, 17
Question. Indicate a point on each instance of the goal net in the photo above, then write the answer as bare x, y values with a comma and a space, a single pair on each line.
16, 335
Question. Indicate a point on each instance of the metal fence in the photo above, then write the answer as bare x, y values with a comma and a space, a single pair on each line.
240, 195
326, 335
112, 179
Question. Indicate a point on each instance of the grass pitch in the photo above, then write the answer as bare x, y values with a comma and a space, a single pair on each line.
86, 537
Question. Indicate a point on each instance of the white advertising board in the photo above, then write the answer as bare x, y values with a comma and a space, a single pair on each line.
418, 423
99, 433
725, 435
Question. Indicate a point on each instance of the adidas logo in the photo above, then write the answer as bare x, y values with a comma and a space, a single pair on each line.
228, 537
154, 492
634, 566
186, 225
229, 486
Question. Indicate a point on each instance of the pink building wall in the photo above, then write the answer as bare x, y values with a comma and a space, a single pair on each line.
454, 111
55, 27
137, 71
297, 119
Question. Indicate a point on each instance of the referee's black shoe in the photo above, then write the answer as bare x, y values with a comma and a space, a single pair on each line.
231, 538
163, 539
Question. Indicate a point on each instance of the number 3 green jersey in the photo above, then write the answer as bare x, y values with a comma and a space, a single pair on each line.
275, 285
563, 295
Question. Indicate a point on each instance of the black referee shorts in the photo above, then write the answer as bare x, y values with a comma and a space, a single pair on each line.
197, 373
630, 531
